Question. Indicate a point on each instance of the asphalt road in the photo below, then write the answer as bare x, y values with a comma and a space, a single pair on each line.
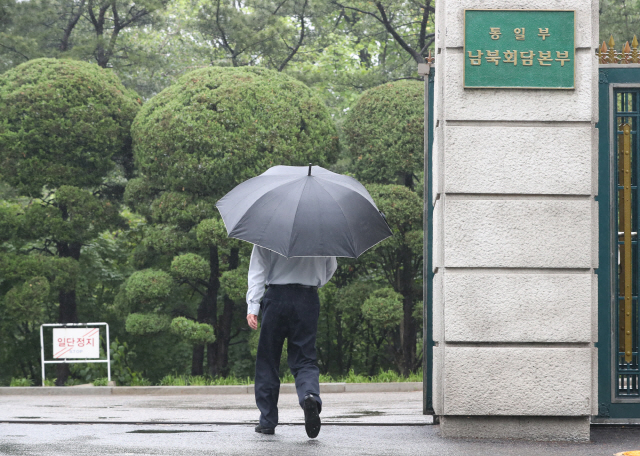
360, 408
113, 439
353, 424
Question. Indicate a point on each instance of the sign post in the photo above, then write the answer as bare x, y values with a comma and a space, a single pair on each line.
519, 49
79, 342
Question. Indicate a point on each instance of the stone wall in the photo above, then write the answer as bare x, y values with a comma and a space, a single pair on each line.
515, 242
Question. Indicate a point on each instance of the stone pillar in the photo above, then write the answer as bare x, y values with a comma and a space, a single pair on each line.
515, 243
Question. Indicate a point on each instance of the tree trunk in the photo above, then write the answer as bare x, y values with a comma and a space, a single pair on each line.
67, 302
208, 311
197, 360
223, 327
224, 337
408, 326
339, 343
409, 337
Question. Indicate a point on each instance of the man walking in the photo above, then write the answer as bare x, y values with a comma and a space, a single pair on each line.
290, 309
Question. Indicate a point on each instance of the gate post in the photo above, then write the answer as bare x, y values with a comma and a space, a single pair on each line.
514, 178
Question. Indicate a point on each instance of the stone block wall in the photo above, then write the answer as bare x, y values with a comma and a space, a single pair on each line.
515, 242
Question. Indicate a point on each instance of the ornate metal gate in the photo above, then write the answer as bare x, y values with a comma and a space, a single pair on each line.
619, 206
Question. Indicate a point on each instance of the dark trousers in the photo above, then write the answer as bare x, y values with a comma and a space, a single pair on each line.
287, 313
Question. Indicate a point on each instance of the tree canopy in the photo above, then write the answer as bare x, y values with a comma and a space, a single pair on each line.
217, 127
384, 133
62, 122
193, 142
228, 90
64, 140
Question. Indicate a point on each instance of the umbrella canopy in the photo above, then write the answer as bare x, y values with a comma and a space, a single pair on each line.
300, 211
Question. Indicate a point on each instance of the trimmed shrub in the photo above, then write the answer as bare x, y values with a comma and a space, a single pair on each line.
216, 127
383, 308
62, 122
385, 133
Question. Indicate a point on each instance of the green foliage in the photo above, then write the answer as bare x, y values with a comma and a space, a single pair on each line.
182, 209
148, 287
230, 380
200, 380
383, 376
139, 381
403, 209
73, 111
151, 323
197, 380
349, 298
71, 215
25, 302
190, 267
88, 31
8, 222
383, 308
619, 18
418, 309
352, 377
217, 127
121, 360
65, 143
385, 133
192, 331
212, 232
234, 282
326, 378
388, 376
21, 382
138, 195
172, 380
60, 272
166, 239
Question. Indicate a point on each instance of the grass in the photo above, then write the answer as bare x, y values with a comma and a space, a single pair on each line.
21, 382
174, 380
199, 380
231, 380
140, 381
382, 377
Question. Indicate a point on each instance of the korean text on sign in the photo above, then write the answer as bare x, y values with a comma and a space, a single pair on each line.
76, 343
531, 49
544, 58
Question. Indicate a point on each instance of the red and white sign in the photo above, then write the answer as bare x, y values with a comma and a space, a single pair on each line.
76, 342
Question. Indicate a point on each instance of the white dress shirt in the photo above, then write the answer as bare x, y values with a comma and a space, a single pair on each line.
269, 268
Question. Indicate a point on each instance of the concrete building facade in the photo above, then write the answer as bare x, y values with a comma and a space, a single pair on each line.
515, 242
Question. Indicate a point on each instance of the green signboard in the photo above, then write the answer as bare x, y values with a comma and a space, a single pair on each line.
532, 49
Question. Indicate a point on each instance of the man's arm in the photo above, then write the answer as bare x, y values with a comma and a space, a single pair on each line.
332, 265
257, 278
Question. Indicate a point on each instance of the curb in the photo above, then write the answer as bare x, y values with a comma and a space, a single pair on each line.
285, 388
209, 423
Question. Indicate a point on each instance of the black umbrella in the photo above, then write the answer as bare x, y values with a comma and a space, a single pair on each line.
299, 212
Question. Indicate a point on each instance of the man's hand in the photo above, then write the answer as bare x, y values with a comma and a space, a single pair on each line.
253, 321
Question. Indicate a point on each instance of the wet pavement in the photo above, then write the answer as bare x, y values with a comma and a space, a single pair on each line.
359, 408
353, 424
162, 439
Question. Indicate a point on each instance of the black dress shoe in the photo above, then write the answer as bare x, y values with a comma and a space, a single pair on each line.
311, 417
265, 430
